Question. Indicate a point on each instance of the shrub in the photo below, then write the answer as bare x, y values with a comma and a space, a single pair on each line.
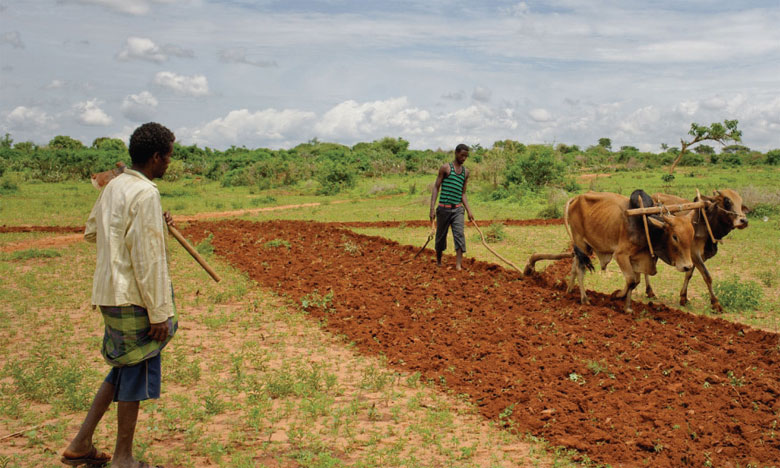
495, 233
175, 171
335, 177
537, 168
773, 157
738, 295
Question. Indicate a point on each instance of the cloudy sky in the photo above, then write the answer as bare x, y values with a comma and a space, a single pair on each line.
276, 73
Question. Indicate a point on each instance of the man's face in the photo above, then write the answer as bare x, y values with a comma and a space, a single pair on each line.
461, 156
162, 162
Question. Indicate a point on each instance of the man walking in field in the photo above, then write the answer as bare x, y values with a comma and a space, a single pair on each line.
132, 286
452, 180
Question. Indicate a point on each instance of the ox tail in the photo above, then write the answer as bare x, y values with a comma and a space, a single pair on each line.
566, 218
583, 259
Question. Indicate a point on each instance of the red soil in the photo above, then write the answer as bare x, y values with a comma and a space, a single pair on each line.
658, 388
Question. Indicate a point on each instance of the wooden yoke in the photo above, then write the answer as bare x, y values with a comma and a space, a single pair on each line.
665, 208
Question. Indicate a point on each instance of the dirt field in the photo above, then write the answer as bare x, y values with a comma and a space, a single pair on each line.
659, 388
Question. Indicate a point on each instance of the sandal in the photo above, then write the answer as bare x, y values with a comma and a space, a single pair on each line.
91, 458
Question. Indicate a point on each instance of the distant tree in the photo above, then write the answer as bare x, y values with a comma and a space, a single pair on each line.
6, 141
735, 149
773, 157
109, 144
25, 146
704, 149
664, 147
566, 149
715, 132
65, 142
605, 143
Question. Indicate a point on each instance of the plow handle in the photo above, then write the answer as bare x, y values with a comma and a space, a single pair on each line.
189, 248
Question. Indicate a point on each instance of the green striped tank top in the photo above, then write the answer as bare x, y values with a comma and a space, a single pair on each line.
452, 187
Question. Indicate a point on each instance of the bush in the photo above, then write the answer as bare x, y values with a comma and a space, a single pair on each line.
773, 157
335, 177
738, 295
731, 159
175, 171
537, 168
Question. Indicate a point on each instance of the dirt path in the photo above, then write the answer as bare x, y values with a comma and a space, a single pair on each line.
659, 388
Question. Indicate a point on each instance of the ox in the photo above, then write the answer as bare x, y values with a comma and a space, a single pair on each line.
725, 212
597, 222
100, 179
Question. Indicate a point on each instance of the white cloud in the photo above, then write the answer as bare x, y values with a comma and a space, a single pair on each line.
238, 55
354, 121
12, 38
242, 127
90, 113
143, 48
27, 118
481, 94
196, 85
139, 107
540, 115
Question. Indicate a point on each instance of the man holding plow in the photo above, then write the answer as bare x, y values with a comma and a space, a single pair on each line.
452, 180
133, 288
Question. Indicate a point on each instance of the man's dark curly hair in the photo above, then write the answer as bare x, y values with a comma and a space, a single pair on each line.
148, 139
461, 147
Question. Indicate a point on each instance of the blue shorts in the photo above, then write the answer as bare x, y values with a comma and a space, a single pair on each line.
136, 383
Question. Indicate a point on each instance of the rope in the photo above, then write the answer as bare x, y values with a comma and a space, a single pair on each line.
647, 231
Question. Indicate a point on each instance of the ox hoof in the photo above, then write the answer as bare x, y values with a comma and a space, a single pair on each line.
650, 294
716, 307
683, 301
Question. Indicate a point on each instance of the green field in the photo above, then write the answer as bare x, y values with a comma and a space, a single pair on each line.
249, 374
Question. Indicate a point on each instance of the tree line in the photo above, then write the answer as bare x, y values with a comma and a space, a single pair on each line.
336, 167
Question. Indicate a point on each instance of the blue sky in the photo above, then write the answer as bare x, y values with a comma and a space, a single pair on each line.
437, 73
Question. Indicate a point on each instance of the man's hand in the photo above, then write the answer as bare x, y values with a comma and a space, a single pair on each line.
471, 217
159, 331
168, 219
433, 215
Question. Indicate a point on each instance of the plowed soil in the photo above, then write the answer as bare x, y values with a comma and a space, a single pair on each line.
658, 388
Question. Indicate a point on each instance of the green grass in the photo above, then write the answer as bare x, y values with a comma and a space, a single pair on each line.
250, 376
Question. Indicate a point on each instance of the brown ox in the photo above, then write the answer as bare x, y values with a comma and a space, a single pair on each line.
725, 213
599, 223
100, 179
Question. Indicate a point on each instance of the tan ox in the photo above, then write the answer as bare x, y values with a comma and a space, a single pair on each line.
725, 212
101, 179
598, 223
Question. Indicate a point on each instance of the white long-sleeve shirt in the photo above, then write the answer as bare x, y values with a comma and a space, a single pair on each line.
132, 264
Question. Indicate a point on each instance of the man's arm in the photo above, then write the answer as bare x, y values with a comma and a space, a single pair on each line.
90, 230
146, 241
463, 197
436, 187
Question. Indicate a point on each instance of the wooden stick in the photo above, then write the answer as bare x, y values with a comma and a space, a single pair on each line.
493, 251
647, 231
189, 248
529, 267
430, 236
18, 433
706, 221
665, 208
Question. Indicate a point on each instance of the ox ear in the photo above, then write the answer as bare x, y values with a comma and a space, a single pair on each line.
745, 209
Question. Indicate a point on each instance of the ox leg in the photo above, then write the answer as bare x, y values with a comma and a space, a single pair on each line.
632, 280
708, 279
684, 290
578, 274
648, 289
